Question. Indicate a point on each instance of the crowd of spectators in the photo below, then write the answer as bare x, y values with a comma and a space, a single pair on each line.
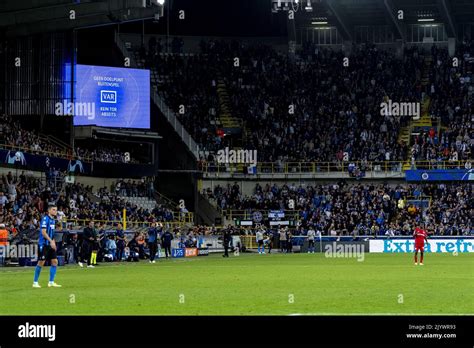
132, 188
102, 154
315, 109
14, 137
286, 104
452, 102
341, 208
189, 86
23, 200
345, 102
452, 147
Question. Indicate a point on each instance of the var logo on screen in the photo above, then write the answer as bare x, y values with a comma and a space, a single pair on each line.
108, 97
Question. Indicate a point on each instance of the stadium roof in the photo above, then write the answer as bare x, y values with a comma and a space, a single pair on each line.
28, 17
346, 14
234, 17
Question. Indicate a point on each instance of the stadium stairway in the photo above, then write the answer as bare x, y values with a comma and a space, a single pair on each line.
406, 132
426, 70
227, 120
173, 121
208, 213
55, 141
239, 166
421, 202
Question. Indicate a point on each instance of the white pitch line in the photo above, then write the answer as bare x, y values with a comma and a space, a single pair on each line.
23, 270
373, 314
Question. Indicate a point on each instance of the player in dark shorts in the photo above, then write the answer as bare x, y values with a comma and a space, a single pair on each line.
47, 247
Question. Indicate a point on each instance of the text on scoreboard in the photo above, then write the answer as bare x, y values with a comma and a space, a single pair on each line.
111, 97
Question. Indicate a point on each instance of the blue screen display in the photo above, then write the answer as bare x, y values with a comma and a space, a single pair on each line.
112, 97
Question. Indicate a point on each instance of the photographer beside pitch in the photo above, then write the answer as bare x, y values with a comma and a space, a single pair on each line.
47, 247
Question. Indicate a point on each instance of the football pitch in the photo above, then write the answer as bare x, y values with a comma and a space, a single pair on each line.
249, 284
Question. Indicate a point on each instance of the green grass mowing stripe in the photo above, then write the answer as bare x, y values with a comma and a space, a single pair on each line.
250, 285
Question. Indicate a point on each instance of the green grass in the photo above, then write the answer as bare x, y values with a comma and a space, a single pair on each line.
250, 284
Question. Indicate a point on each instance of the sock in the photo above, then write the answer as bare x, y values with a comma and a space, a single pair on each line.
52, 273
421, 258
94, 258
37, 273
416, 257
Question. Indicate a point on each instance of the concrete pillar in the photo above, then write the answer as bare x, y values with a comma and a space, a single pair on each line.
451, 46
347, 47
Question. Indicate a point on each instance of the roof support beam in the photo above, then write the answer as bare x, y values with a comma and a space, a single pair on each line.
341, 19
391, 11
445, 11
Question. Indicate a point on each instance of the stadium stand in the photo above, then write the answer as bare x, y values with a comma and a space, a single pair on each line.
23, 200
14, 137
343, 102
358, 209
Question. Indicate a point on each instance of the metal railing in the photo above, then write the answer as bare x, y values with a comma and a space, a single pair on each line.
418, 201
249, 214
56, 142
326, 167
159, 197
181, 219
167, 112
59, 154
176, 124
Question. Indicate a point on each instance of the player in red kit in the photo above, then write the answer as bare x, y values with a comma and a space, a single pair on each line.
420, 236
